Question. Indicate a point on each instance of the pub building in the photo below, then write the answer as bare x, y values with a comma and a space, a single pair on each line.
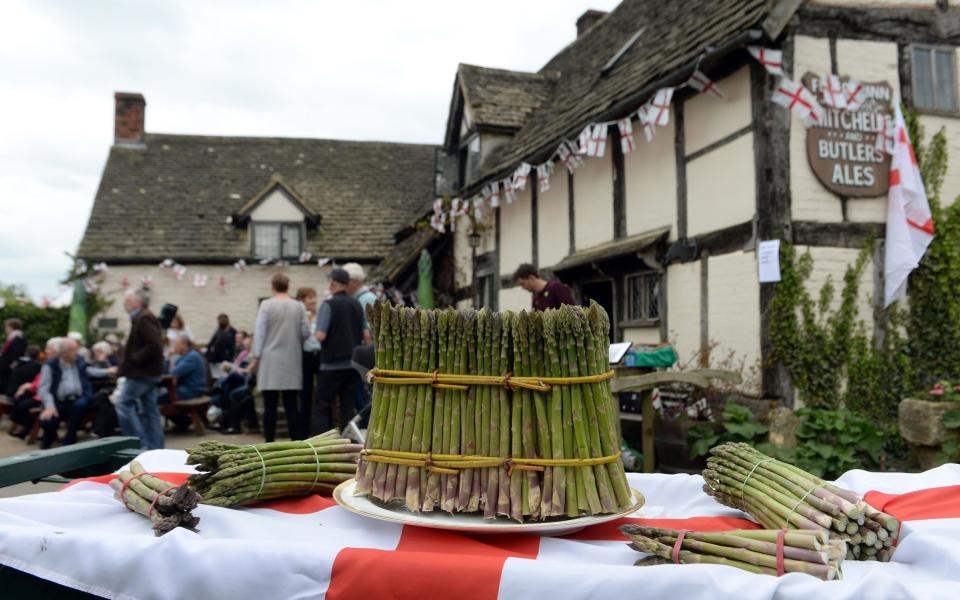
665, 235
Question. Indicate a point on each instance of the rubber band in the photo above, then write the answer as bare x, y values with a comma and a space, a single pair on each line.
781, 535
786, 522
682, 533
125, 485
157, 497
316, 457
263, 474
744, 484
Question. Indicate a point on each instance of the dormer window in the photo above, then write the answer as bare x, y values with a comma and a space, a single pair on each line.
277, 240
277, 220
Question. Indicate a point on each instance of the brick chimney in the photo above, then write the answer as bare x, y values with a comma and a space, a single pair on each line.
128, 117
587, 20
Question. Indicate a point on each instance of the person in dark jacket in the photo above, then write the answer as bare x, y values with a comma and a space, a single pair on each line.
340, 329
23, 371
142, 365
547, 293
65, 392
14, 345
222, 347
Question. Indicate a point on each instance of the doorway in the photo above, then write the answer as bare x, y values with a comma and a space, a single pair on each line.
601, 292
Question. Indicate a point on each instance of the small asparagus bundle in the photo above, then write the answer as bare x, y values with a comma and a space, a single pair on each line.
816, 553
232, 475
166, 505
778, 494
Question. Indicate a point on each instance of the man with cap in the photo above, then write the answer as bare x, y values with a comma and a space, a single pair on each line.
339, 329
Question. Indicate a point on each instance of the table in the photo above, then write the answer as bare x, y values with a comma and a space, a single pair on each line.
82, 538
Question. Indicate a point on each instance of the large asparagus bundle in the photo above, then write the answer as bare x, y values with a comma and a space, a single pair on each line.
778, 494
817, 553
535, 444
232, 475
166, 505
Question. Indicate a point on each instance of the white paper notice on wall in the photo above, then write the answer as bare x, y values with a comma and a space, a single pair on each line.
768, 260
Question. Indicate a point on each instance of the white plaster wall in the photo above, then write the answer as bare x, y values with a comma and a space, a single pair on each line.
642, 335
593, 201
708, 118
461, 253
733, 308
276, 207
683, 307
721, 187
650, 183
200, 306
833, 263
516, 242
869, 61
553, 218
515, 298
810, 201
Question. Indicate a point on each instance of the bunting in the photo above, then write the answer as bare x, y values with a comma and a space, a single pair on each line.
772, 60
627, 143
704, 84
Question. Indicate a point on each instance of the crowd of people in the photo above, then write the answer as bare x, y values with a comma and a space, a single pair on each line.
299, 354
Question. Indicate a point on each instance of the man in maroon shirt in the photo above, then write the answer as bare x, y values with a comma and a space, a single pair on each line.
546, 294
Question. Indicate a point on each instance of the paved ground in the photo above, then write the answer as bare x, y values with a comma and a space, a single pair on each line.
10, 446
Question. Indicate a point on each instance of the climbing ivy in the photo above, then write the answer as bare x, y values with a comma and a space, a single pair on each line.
933, 320
811, 337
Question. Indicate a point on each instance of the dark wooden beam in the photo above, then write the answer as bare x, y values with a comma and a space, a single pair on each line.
836, 235
724, 241
905, 67
918, 24
534, 222
681, 158
705, 309
619, 187
771, 145
719, 143
571, 213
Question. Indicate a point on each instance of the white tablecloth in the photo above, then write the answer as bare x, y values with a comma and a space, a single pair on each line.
83, 538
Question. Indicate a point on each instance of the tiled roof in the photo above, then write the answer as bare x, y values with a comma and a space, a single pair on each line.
503, 98
674, 34
173, 197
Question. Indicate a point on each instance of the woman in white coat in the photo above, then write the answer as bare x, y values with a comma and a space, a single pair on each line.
281, 328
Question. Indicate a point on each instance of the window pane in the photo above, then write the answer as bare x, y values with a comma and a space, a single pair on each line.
923, 78
653, 298
266, 240
643, 297
946, 83
291, 240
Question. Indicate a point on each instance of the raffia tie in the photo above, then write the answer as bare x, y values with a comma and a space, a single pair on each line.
125, 485
451, 464
464, 381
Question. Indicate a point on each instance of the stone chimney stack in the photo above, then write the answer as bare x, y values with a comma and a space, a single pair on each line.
129, 114
587, 20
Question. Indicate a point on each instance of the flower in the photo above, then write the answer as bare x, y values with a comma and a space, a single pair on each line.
937, 390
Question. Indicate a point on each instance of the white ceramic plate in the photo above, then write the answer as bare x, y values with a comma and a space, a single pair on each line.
345, 496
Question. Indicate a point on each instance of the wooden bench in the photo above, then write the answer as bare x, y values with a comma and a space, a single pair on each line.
195, 408
625, 381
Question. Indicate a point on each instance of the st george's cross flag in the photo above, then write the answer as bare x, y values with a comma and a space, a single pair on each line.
703, 84
795, 98
833, 93
772, 60
909, 220
310, 547
627, 143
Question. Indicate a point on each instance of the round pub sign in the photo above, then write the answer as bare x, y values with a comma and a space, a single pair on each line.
841, 146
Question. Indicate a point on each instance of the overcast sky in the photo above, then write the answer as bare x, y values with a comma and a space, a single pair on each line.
357, 69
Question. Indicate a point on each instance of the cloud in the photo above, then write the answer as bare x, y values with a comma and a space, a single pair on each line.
364, 69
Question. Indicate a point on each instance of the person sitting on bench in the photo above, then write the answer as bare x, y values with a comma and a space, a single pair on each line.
65, 392
190, 375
